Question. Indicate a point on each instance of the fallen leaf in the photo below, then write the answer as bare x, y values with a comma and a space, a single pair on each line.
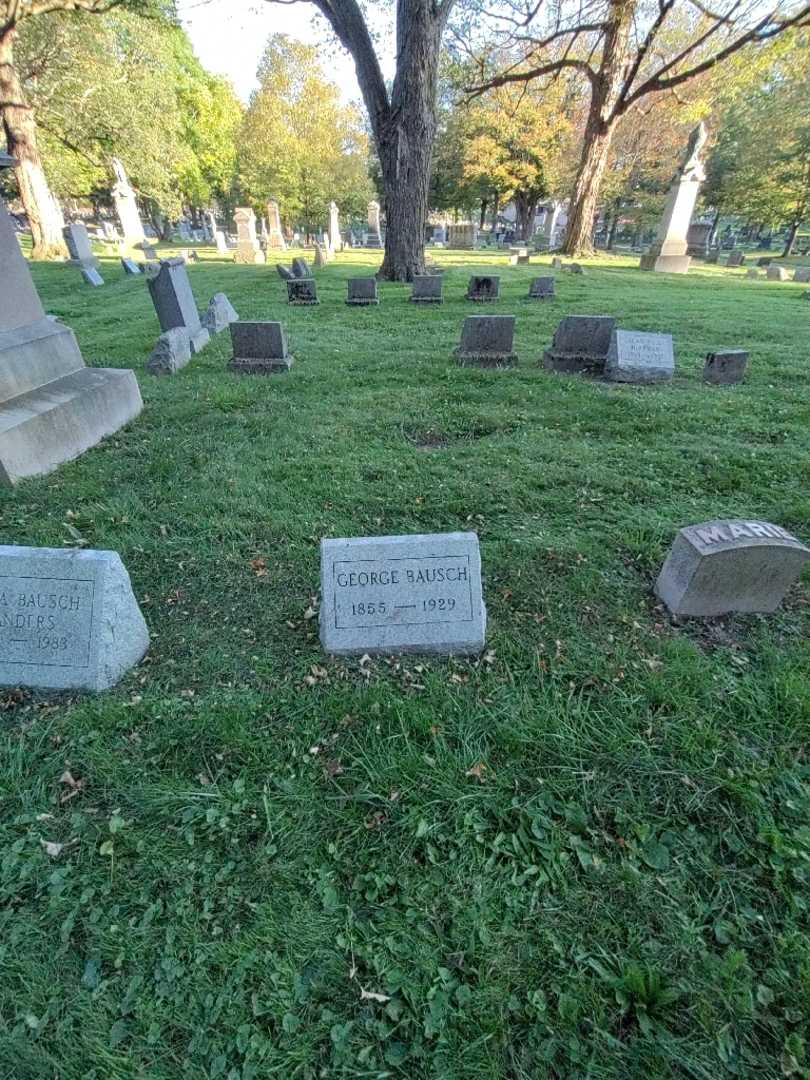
51, 848
370, 995
477, 771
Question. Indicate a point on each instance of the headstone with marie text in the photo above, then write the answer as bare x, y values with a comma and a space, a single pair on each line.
483, 289
487, 341
174, 302
68, 619
259, 348
427, 289
402, 594
248, 250
720, 567
52, 407
302, 292
362, 291
580, 345
638, 357
725, 368
542, 288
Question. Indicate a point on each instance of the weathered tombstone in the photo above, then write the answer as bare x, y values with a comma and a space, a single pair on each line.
402, 594
210, 226
765, 261
427, 289
574, 268
320, 257
483, 289
335, 241
68, 619
461, 236
171, 352
259, 348
301, 268
487, 341
542, 288
131, 268
302, 292
221, 242
667, 253
52, 407
126, 206
110, 232
78, 245
284, 272
248, 251
777, 273
638, 357
275, 237
719, 567
713, 256
150, 252
580, 345
374, 234
174, 302
91, 276
220, 314
697, 239
362, 291
726, 367
736, 258
556, 263
802, 275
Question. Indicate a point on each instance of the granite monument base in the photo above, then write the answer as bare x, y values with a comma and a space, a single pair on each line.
665, 264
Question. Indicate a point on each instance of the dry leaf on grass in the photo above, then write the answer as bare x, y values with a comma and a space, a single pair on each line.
478, 771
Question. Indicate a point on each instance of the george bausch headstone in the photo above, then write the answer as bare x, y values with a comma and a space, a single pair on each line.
427, 289
719, 567
68, 619
402, 594
542, 288
487, 341
638, 357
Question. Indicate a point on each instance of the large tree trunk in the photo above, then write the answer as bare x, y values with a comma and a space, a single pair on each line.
42, 209
526, 209
614, 225
582, 212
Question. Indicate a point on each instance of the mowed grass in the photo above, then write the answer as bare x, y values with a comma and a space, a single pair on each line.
585, 854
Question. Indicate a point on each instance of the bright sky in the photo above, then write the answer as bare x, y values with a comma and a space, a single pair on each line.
229, 37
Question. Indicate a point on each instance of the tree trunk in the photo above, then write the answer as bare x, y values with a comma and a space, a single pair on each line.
715, 227
42, 209
579, 234
791, 240
526, 209
483, 219
614, 225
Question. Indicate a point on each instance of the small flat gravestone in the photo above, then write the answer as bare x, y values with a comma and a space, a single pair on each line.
638, 357
362, 291
487, 341
802, 275
300, 268
259, 348
777, 273
130, 267
719, 567
171, 353
427, 289
556, 263
483, 289
736, 258
725, 368
220, 314
542, 288
68, 619
580, 345
402, 594
92, 277
302, 292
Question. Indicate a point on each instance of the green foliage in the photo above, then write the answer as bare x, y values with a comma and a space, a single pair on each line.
298, 144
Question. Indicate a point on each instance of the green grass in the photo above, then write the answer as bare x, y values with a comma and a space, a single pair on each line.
584, 855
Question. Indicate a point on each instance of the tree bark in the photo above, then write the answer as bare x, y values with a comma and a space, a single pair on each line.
791, 240
579, 234
526, 209
614, 225
43, 211
483, 218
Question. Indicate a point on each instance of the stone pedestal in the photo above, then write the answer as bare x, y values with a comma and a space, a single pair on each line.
335, 241
667, 253
275, 237
248, 250
374, 235
52, 407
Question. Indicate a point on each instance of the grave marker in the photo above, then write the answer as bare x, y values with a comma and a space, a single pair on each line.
174, 302
130, 267
362, 291
172, 352
427, 289
638, 357
736, 258
580, 345
483, 289
402, 594
220, 314
248, 250
374, 232
802, 275
542, 288
91, 276
68, 619
302, 292
301, 269
726, 367
78, 245
259, 348
126, 206
719, 567
487, 341
777, 273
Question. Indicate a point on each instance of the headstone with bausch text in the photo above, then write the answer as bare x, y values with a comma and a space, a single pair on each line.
402, 594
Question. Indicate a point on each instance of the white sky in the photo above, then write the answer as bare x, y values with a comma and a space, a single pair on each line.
229, 37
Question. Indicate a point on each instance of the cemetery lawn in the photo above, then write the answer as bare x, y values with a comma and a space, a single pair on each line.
585, 854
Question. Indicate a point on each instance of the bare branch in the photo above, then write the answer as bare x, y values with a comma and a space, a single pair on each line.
552, 68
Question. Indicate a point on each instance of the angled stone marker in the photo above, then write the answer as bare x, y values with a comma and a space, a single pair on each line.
487, 341
91, 276
220, 314
638, 357
362, 291
668, 252
131, 268
580, 345
174, 302
259, 348
52, 407
302, 292
301, 268
482, 289
725, 368
542, 288
402, 594
77, 240
221, 242
284, 272
126, 206
719, 567
777, 273
68, 619
171, 353
427, 289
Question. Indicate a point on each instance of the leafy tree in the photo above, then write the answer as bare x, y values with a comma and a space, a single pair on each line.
298, 143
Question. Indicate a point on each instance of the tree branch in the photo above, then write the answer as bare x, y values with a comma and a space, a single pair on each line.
553, 67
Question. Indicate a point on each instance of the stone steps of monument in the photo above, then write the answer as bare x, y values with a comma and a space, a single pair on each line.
34, 355
54, 423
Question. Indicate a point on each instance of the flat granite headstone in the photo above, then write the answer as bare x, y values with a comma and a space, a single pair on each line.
220, 314
725, 368
483, 289
402, 594
580, 345
174, 302
777, 273
302, 292
259, 348
68, 619
719, 567
802, 275
362, 291
487, 341
638, 357
171, 353
542, 288
130, 267
427, 289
